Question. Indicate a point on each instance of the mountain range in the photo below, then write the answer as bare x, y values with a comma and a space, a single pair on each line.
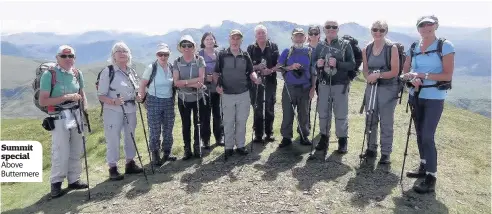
23, 52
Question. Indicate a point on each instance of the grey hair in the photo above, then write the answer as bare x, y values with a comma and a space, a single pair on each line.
120, 46
261, 27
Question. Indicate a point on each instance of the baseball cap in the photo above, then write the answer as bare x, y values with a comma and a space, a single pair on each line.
424, 19
163, 47
65, 49
298, 31
235, 32
313, 29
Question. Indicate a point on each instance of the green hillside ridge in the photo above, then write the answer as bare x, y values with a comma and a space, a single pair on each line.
270, 180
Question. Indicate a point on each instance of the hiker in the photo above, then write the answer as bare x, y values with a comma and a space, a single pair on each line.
333, 59
209, 54
67, 144
159, 102
313, 41
124, 85
234, 88
188, 75
381, 66
264, 55
298, 88
427, 71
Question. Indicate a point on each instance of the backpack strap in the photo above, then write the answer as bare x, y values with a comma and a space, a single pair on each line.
387, 57
440, 43
152, 75
53, 79
369, 50
111, 76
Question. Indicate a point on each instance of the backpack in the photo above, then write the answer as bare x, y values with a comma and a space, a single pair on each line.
401, 55
354, 43
152, 76
111, 78
441, 85
36, 84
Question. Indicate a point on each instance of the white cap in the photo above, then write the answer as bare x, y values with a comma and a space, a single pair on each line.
65, 49
163, 47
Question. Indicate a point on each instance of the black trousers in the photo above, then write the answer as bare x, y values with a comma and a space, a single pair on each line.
271, 99
212, 111
185, 110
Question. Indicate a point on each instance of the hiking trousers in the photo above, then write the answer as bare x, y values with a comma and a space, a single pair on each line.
339, 106
160, 117
114, 124
186, 109
236, 112
258, 97
66, 151
384, 112
212, 110
299, 98
427, 114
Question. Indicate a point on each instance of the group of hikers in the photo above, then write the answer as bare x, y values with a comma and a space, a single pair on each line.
223, 85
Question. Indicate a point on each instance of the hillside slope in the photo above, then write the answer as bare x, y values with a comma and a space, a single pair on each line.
270, 180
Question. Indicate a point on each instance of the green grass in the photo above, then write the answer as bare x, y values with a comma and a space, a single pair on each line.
463, 144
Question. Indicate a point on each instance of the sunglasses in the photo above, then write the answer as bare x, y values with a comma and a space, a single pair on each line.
334, 27
376, 30
313, 34
186, 45
64, 56
162, 54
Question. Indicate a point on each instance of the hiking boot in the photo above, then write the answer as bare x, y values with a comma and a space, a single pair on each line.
342, 145
418, 173
369, 154
187, 155
242, 151
229, 152
168, 157
385, 159
285, 142
426, 186
132, 168
56, 190
257, 140
156, 160
269, 138
78, 185
219, 142
323, 143
305, 142
114, 175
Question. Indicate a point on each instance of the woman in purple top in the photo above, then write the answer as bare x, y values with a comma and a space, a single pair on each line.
209, 53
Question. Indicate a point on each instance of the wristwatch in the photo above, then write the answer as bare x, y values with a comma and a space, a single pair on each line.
380, 76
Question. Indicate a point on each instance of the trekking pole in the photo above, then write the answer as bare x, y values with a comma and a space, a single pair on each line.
145, 135
80, 129
263, 61
313, 150
369, 113
406, 146
255, 108
133, 138
293, 108
198, 120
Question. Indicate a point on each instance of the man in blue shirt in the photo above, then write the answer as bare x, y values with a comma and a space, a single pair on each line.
298, 87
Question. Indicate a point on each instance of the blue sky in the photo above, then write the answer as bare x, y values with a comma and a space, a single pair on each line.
159, 17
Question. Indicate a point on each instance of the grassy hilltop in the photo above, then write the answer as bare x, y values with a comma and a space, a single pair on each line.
270, 180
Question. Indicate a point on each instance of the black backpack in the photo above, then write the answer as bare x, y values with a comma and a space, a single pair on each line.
357, 55
441, 85
111, 78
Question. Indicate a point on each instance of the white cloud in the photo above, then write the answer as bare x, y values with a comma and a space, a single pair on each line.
161, 17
